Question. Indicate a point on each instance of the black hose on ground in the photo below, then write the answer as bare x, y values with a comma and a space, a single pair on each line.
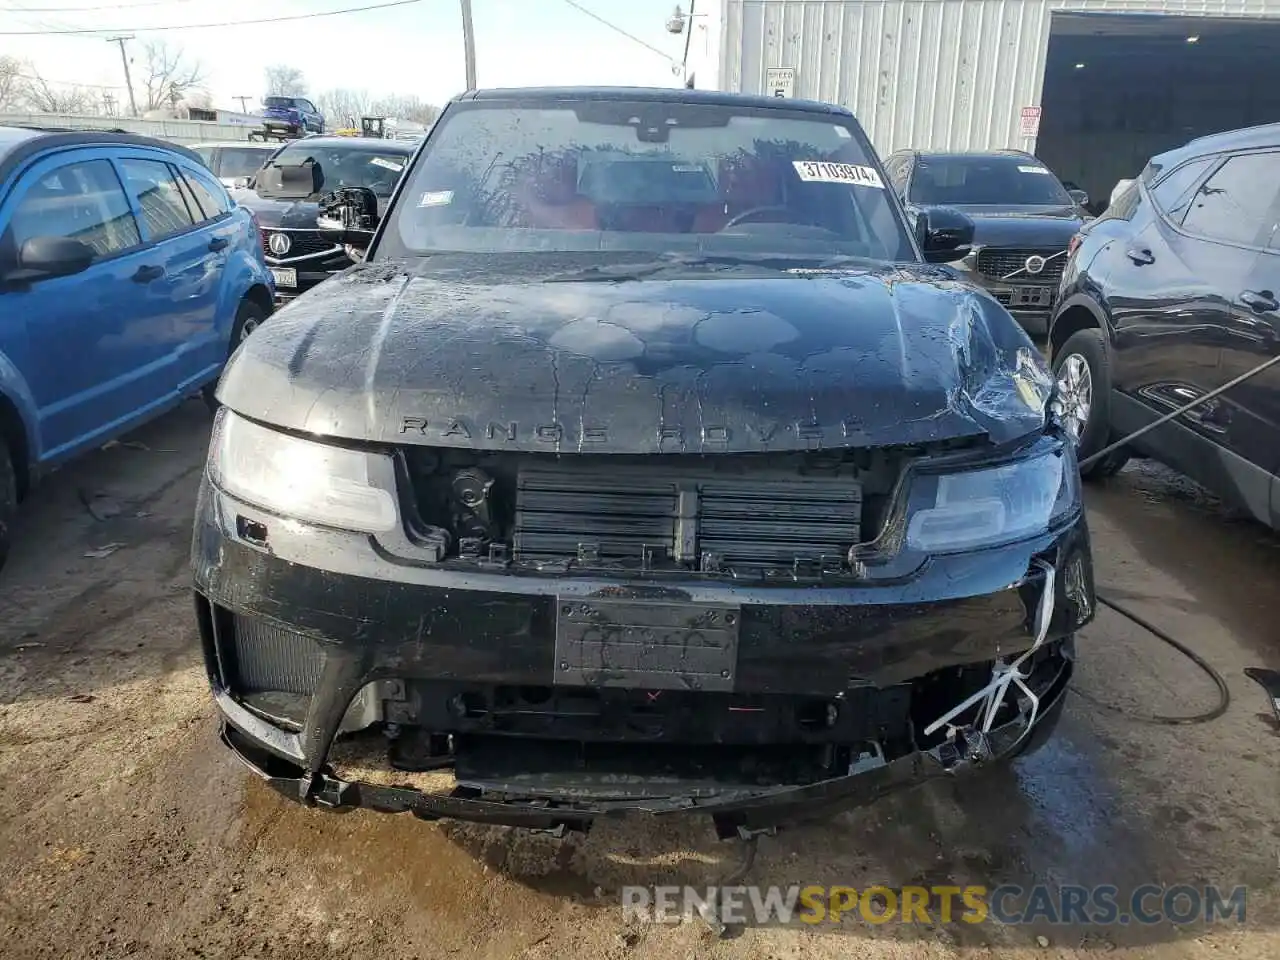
1224, 694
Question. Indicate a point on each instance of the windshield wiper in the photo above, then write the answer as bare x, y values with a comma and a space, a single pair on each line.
618, 273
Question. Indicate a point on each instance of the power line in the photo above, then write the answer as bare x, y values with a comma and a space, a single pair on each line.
617, 29
86, 31
117, 6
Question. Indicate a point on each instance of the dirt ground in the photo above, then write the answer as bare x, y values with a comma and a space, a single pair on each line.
126, 830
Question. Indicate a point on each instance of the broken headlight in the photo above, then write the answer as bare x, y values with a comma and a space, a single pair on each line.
316, 482
991, 506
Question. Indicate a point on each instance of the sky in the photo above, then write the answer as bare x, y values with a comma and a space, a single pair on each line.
411, 49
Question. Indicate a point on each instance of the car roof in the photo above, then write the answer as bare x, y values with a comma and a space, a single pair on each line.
1263, 135
973, 154
653, 95
255, 144
19, 144
336, 141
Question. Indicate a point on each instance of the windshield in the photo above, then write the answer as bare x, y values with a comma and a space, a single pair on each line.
646, 176
1005, 181
342, 165
241, 161
284, 102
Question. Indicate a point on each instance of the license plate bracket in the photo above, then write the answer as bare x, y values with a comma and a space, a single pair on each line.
1031, 297
285, 276
646, 644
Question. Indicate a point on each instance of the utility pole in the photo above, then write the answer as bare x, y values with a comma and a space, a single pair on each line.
124, 58
469, 42
243, 101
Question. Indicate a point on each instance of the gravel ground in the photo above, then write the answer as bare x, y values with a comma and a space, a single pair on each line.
126, 830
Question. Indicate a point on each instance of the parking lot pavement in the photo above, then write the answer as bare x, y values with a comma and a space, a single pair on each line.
126, 830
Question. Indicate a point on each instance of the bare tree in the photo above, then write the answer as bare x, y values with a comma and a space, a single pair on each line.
167, 75
406, 107
285, 81
343, 107
201, 99
11, 82
42, 96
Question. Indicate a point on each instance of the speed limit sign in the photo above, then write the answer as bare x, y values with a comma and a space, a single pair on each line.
780, 82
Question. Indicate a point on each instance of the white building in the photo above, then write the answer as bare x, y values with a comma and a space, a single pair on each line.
1093, 87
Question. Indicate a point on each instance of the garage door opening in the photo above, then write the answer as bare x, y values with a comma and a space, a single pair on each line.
1119, 88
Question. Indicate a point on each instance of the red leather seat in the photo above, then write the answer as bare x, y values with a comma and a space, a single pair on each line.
551, 200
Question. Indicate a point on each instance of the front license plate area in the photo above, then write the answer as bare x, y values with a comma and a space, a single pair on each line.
646, 644
1031, 297
285, 277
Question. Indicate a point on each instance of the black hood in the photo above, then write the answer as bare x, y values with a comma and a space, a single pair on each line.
288, 214
294, 214
998, 226
483, 352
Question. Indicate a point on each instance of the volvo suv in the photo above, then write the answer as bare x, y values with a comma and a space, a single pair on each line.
1023, 220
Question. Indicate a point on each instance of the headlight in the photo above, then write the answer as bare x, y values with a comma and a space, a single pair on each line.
317, 482
959, 511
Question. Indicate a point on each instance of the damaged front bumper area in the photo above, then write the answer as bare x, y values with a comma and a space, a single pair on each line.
782, 700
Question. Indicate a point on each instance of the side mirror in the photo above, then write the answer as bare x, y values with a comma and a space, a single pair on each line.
944, 234
349, 215
41, 258
291, 181
1079, 197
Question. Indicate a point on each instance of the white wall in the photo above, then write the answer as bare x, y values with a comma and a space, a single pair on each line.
706, 39
951, 74
177, 131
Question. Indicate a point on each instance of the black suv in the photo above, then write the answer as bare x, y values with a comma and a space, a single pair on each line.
646, 463
298, 255
1023, 220
1173, 291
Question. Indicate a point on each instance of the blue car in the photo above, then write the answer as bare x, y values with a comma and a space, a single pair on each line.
127, 277
291, 115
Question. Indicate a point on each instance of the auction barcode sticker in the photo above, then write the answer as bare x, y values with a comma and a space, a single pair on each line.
816, 171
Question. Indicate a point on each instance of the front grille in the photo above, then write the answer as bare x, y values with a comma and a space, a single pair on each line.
303, 243
269, 659
998, 263
698, 518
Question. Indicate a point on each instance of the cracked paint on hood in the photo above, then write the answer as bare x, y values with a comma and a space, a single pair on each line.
485, 352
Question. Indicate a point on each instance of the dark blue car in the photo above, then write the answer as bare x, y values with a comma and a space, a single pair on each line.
127, 276
291, 115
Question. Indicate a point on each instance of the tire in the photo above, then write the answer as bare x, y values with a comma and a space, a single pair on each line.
248, 317
1083, 366
8, 500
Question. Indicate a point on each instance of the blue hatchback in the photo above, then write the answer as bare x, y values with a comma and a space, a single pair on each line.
127, 277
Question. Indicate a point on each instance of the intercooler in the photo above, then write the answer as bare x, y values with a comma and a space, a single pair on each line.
700, 518
269, 658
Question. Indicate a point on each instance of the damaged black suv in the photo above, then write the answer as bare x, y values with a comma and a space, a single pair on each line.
645, 464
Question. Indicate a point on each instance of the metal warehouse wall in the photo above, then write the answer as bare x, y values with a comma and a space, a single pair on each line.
921, 73
179, 131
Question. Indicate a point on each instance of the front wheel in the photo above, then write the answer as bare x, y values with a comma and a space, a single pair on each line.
1082, 369
248, 318
8, 500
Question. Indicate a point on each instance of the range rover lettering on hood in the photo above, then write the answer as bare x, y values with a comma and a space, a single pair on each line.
735, 361
589, 434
